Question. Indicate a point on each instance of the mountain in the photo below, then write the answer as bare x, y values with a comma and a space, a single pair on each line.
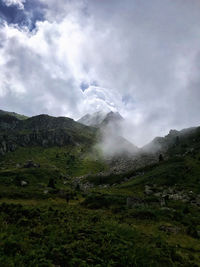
13, 114
175, 142
94, 119
58, 191
42, 130
100, 118
112, 118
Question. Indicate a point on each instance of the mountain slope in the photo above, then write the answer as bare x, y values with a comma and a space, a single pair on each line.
142, 217
147, 215
16, 115
176, 142
42, 130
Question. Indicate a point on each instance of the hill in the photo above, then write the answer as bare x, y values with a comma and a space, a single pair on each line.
42, 130
83, 211
16, 115
176, 142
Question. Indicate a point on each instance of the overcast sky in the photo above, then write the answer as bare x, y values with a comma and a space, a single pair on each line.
138, 57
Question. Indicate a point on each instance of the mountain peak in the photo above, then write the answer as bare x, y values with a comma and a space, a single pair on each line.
100, 118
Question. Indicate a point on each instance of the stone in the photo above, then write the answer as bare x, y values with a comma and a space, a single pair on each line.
162, 202
158, 194
148, 190
23, 183
175, 197
31, 164
169, 229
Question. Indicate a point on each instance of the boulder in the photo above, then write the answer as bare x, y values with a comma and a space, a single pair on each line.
148, 190
31, 164
169, 229
23, 183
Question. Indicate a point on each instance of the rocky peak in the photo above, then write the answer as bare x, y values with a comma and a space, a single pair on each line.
100, 118
112, 117
94, 119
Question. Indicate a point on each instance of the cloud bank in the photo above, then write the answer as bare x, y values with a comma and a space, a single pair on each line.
140, 58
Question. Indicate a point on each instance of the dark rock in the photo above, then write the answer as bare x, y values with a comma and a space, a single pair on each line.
169, 229
31, 164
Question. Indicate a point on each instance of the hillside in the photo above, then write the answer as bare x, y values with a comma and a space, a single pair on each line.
176, 142
42, 130
58, 191
16, 115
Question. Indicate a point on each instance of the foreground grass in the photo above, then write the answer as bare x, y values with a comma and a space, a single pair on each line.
96, 228
52, 232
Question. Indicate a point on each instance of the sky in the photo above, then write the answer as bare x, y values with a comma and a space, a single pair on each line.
72, 57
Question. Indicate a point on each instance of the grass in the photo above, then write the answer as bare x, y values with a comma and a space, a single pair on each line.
95, 228
55, 233
73, 161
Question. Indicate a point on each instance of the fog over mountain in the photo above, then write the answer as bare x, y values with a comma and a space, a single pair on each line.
71, 58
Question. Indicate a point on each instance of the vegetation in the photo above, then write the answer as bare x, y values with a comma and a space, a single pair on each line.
95, 228
53, 214
16, 115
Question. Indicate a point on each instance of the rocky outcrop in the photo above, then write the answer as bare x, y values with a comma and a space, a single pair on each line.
8, 122
31, 164
172, 193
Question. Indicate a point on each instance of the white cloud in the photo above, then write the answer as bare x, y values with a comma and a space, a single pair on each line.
98, 98
18, 3
143, 56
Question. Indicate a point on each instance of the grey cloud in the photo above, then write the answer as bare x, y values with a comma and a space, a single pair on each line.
147, 50
38, 91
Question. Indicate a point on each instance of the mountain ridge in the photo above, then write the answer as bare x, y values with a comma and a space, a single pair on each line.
100, 118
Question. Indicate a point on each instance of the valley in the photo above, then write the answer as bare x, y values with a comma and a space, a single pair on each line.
63, 202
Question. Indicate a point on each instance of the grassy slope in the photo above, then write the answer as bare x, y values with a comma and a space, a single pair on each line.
70, 160
57, 163
95, 228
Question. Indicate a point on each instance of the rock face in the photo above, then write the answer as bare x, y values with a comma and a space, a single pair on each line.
42, 130
8, 122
